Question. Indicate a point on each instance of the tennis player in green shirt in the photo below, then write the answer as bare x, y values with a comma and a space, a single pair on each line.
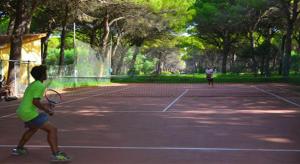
28, 112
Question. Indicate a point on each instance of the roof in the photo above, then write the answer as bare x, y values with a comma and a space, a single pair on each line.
5, 39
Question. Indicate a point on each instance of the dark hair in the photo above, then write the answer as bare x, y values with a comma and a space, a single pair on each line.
38, 72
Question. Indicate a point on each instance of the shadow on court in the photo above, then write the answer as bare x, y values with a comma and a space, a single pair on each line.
227, 127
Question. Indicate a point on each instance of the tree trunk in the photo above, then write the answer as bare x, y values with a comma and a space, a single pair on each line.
297, 38
281, 55
159, 64
121, 61
10, 27
288, 49
93, 37
27, 29
254, 62
225, 56
105, 36
262, 66
267, 66
63, 40
113, 55
291, 15
16, 40
132, 64
44, 48
16, 30
268, 51
62, 48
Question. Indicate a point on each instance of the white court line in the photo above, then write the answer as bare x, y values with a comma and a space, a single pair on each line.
173, 102
278, 97
219, 149
12, 105
8, 115
78, 99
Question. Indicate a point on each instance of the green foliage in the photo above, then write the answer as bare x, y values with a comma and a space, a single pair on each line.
53, 43
53, 56
166, 73
176, 12
163, 25
148, 66
295, 65
4, 25
143, 65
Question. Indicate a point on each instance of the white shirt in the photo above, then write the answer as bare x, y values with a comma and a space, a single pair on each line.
209, 71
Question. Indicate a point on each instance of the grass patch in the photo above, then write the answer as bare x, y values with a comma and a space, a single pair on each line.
70, 82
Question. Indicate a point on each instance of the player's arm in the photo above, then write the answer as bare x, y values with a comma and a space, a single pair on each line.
45, 107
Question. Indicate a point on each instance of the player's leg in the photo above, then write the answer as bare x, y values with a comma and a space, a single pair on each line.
209, 81
51, 136
32, 125
52, 140
26, 136
20, 150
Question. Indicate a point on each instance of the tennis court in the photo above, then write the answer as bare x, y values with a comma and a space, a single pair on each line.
167, 124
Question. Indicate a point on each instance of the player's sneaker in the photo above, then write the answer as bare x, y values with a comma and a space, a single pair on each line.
19, 151
60, 157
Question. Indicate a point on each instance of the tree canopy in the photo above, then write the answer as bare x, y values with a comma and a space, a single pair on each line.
257, 36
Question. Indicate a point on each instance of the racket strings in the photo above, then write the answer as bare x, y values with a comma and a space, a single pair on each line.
53, 96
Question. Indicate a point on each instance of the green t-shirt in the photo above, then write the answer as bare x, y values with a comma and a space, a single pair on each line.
27, 111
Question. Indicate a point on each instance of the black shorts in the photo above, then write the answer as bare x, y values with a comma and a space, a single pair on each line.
210, 79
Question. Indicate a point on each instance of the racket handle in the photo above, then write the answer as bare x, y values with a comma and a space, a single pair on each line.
50, 112
51, 105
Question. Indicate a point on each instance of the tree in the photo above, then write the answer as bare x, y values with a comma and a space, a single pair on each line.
254, 11
21, 12
291, 11
218, 23
45, 20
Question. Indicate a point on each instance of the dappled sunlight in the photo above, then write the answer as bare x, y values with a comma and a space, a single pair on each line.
88, 128
208, 122
87, 112
269, 111
234, 104
242, 111
280, 140
198, 118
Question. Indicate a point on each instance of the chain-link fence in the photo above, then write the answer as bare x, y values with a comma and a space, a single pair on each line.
69, 76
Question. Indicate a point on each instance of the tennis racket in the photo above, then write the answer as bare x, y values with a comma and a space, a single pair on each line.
53, 97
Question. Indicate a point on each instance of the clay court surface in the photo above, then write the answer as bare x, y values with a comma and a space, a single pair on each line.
167, 124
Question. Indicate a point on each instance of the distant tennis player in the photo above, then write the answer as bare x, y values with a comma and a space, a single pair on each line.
210, 76
28, 112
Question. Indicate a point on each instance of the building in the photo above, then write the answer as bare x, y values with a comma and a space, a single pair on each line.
30, 56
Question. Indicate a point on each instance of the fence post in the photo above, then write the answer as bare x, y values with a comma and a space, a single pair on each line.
28, 75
